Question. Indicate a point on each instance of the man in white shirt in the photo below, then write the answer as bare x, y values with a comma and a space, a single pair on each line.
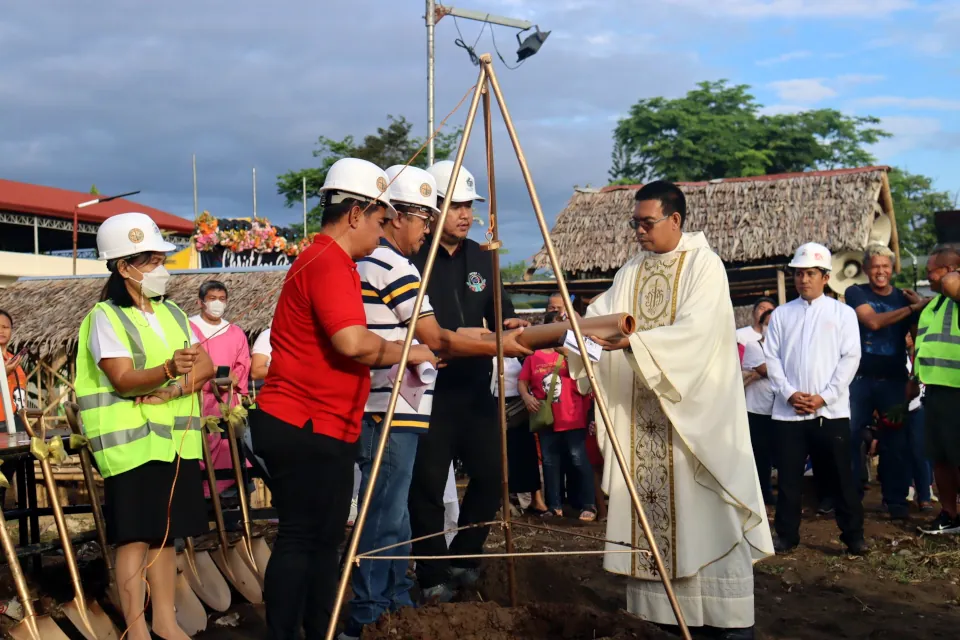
754, 332
812, 348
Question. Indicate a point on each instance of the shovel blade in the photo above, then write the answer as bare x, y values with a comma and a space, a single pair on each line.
91, 622
261, 555
208, 583
43, 627
245, 581
191, 616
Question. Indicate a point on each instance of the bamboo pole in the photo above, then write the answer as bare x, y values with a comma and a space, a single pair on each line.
493, 245
404, 356
486, 64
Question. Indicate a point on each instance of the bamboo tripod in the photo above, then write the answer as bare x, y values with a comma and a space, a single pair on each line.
487, 83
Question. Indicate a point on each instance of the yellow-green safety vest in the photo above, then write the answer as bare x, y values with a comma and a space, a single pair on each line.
938, 343
124, 435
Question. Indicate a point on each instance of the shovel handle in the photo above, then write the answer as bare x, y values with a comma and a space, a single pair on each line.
65, 541
215, 498
89, 480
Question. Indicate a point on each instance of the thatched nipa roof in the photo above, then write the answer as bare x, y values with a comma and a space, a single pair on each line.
746, 220
47, 312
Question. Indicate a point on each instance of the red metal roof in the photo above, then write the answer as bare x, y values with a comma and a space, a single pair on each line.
771, 177
59, 203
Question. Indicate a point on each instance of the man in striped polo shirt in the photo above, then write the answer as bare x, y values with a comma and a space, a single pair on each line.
390, 283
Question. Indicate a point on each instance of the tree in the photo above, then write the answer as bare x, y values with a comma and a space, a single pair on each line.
715, 131
513, 272
389, 146
94, 190
914, 202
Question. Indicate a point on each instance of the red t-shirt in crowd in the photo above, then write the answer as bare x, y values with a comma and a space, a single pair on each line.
308, 379
570, 409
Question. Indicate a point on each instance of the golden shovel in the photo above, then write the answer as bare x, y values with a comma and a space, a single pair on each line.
237, 567
201, 574
72, 412
32, 627
89, 618
256, 547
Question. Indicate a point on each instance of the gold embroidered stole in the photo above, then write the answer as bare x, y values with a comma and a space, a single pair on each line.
654, 305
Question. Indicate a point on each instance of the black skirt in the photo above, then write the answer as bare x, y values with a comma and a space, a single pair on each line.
136, 503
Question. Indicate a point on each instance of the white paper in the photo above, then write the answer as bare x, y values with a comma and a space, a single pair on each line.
594, 351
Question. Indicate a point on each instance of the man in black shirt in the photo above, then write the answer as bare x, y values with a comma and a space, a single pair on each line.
463, 423
886, 315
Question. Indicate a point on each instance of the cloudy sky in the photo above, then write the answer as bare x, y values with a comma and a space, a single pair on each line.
121, 93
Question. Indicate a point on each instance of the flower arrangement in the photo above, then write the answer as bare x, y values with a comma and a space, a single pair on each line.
240, 236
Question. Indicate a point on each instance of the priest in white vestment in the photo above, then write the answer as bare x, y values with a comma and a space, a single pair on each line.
676, 399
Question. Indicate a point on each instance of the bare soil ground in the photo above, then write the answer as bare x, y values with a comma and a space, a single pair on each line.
906, 588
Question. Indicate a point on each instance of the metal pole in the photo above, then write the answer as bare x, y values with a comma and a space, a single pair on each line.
486, 63
494, 247
36, 236
254, 192
405, 354
196, 210
75, 223
431, 23
304, 206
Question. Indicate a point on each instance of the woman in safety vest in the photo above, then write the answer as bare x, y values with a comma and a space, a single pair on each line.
138, 371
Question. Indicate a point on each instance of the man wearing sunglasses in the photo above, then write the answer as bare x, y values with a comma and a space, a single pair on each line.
676, 400
390, 283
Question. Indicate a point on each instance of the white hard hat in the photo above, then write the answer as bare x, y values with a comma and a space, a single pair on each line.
412, 185
466, 187
127, 234
812, 256
357, 177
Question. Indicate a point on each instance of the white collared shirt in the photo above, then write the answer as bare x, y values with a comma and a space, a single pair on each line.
813, 347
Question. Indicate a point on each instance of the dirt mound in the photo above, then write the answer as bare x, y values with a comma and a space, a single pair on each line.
489, 621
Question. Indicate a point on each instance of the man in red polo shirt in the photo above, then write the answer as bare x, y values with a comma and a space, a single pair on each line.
308, 421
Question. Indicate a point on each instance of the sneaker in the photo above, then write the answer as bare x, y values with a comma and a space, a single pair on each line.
438, 594
941, 525
911, 494
825, 508
352, 518
464, 577
926, 506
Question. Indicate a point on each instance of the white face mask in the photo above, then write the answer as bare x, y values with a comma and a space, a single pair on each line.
154, 283
216, 308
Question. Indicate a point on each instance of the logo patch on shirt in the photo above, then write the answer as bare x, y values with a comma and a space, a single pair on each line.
476, 282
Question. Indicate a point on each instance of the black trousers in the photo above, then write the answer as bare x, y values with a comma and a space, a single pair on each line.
311, 478
465, 426
761, 437
828, 444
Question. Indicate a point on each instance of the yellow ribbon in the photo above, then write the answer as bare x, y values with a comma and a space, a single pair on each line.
78, 441
212, 424
54, 449
236, 416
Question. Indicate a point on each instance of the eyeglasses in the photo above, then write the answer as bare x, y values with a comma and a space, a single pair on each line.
648, 225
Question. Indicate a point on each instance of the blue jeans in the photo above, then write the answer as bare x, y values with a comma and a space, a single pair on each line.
382, 585
573, 445
877, 394
919, 465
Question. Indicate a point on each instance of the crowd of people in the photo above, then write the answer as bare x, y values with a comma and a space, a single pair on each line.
702, 430
835, 382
